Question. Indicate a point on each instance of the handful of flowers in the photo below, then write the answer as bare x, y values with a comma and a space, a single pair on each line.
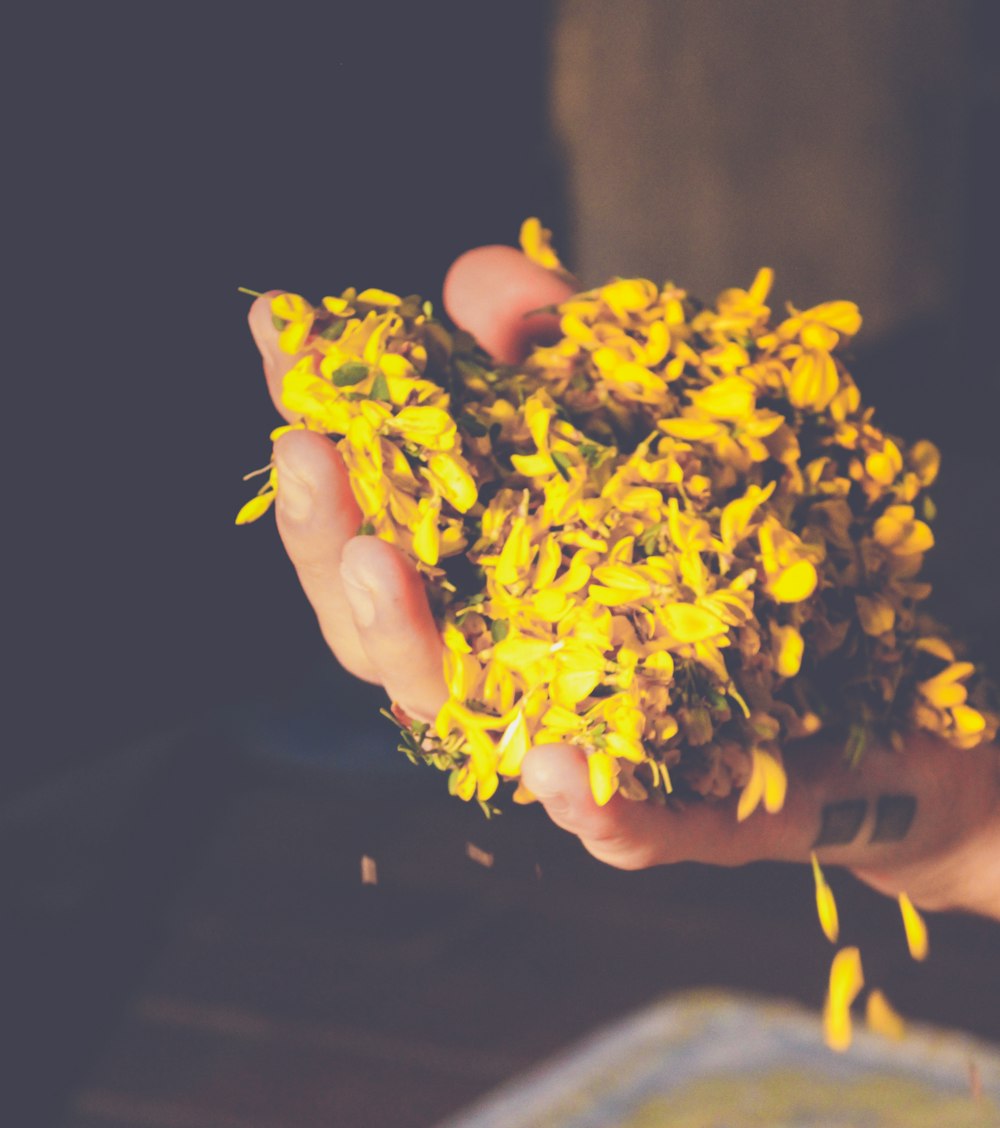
676, 537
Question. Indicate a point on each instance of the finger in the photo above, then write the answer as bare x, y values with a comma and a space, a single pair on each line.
395, 625
317, 515
276, 361
491, 292
634, 835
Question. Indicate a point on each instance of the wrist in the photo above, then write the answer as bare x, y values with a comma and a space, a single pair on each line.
977, 870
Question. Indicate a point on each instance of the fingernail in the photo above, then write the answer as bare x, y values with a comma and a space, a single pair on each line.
295, 494
360, 598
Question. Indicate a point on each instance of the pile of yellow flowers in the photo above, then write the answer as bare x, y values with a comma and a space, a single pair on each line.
675, 538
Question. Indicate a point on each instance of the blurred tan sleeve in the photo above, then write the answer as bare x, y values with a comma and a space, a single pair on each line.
705, 138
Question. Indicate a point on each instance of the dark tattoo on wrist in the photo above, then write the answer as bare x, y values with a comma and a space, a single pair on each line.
841, 821
893, 817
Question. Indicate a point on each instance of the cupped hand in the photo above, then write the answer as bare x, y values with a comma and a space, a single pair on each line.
925, 820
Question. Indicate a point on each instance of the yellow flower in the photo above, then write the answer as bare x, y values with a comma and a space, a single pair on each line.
813, 381
427, 426
298, 316
791, 575
686, 542
899, 530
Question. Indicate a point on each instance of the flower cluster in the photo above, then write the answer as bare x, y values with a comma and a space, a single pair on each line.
676, 537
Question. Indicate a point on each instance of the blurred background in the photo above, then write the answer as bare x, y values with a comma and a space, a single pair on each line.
188, 781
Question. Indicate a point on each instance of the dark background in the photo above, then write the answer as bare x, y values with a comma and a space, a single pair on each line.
161, 157
169, 704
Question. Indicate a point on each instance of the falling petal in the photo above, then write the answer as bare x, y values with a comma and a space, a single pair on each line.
916, 929
882, 1018
846, 980
826, 906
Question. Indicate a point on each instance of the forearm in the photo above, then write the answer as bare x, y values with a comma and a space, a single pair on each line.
962, 874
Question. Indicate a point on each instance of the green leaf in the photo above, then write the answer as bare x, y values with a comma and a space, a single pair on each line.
380, 387
590, 453
471, 425
499, 629
333, 331
278, 322
563, 464
857, 742
349, 374
366, 529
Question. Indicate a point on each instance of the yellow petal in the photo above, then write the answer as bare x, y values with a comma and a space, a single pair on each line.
513, 746
291, 307
876, 613
814, 381
882, 1018
936, 646
294, 336
925, 458
915, 928
255, 507
729, 398
968, 721
826, 906
453, 480
515, 554
603, 776
789, 648
570, 687
691, 429
752, 793
689, 623
775, 781
378, 297
427, 534
846, 980
462, 783
845, 317
486, 786
761, 285
795, 583
550, 605
515, 652
536, 243
429, 426
628, 295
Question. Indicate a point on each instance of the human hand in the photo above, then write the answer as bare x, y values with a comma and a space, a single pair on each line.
925, 820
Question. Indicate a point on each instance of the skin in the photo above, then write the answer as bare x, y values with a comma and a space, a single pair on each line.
372, 610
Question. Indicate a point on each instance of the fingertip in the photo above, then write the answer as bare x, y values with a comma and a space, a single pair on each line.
493, 292
395, 584
311, 469
550, 770
261, 323
398, 630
